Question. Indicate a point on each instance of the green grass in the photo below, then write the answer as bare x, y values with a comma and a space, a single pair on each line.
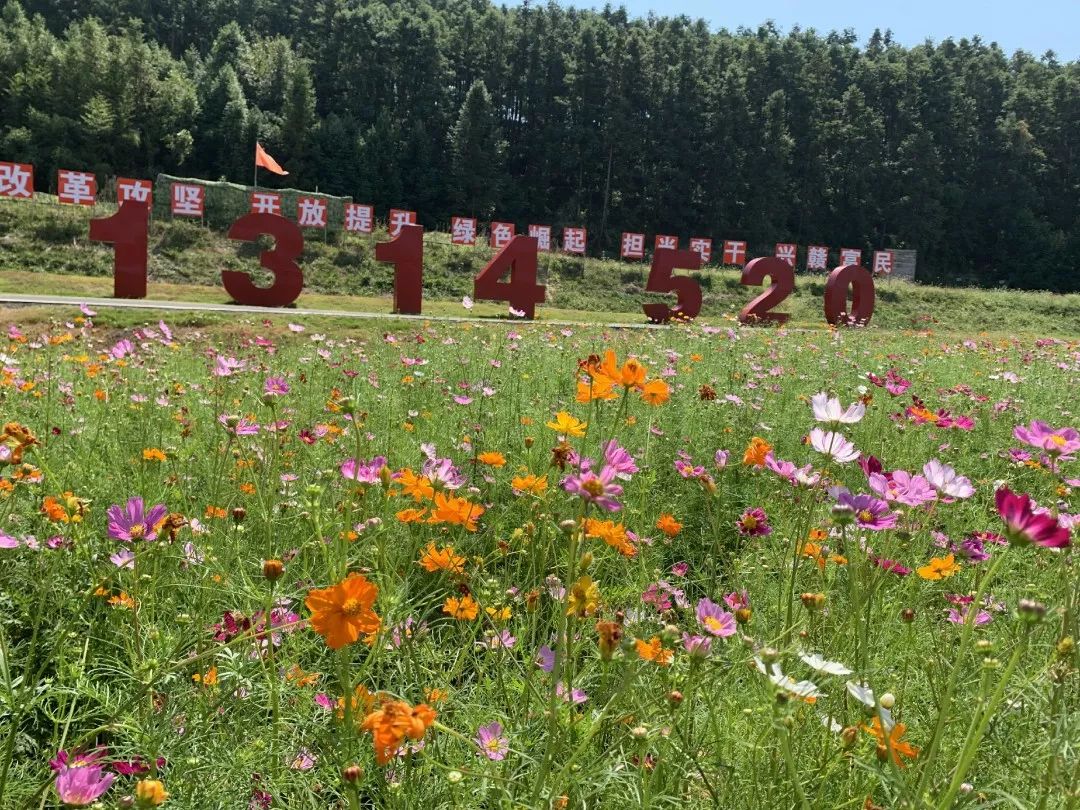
77, 671
51, 242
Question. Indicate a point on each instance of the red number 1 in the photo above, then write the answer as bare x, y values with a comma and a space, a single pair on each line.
127, 231
406, 253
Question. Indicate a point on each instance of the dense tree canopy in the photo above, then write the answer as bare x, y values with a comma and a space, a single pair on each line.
545, 114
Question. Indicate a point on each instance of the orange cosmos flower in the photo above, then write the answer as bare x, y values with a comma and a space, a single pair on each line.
897, 746
209, 678
68, 508
653, 650
534, 485
669, 525
343, 611
122, 600
297, 676
492, 459
417, 486
632, 373
464, 609
612, 533
411, 515
152, 454
656, 392
443, 559
393, 722
756, 452
455, 511
939, 568
598, 387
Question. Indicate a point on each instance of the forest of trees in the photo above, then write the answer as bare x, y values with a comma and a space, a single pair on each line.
545, 114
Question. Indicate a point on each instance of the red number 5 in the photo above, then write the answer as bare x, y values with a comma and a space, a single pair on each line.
288, 279
688, 291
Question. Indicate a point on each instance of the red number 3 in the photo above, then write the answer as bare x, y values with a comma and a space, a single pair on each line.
665, 260
783, 282
288, 278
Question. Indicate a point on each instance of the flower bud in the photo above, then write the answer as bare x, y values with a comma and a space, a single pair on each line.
743, 614
770, 655
1065, 647
454, 777
568, 525
529, 441
907, 615
273, 569
984, 645
887, 701
238, 514
639, 732
232, 420
385, 475
882, 753
352, 773
586, 561
347, 404
1031, 610
813, 601
849, 736
842, 515
675, 697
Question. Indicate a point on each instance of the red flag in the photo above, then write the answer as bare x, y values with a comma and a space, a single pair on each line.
267, 162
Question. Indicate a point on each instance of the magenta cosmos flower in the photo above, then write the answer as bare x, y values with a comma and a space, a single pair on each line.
81, 787
716, 621
493, 743
754, 523
133, 522
870, 512
1023, 525
363, 472
275, 386
599, 489
1055, 441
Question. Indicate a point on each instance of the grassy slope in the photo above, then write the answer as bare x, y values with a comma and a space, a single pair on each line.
40, 242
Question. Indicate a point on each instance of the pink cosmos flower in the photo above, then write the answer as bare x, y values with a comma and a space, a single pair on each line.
737, 599
594, 488
870, 512
493, 743
903, 487
82, 786
716, 621
828, 409
132, 522
1060, 442
958, 617
721, 458
892, 566
619, 460
833, 445
1023, 525
946, 481
545, 658
7, 541
697, 646
363, 472
754, 523
275, 386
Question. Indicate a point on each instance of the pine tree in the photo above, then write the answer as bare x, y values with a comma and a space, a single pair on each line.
476, 150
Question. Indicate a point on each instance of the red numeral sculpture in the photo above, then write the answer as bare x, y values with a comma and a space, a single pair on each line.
783, 282
858, 279
522, 292
406, 253
662, 280
127, 231
288, 279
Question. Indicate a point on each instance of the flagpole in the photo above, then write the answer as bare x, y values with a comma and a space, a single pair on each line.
255, 179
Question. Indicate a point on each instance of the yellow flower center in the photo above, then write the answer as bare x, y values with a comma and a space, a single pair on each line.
712, 623
750, 522
866, 516
137, 531
352, 607
594, 487
1058, 440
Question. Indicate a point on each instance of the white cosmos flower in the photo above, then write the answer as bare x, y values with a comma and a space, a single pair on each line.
946, 481
819, 664
828, 409
833, 445
801, 689
865, 695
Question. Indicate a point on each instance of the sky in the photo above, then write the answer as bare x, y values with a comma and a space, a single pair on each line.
1032, 25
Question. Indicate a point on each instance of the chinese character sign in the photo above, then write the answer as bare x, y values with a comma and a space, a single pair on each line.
76, 188
633, 246
17, 180
817, 257
462, 231
573, 240
265, 202
187, 200
542, 235
311, 212
735, 253
883, 262
785, 252
399, 219
702, 247
850, 256
359, 218
665, 241
501, 234
128, 190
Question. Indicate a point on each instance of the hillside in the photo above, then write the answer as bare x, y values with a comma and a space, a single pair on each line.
44, 248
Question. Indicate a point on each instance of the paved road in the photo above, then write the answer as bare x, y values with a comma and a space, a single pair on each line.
232, 309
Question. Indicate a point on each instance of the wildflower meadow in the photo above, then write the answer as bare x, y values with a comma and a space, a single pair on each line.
509, 565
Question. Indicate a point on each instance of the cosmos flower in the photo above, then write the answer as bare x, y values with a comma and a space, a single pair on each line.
342, 612
599, 489
492, 742
754, 523
275, 386
820, 664
946, 481
363, 472
716, 621
903, 487
833, 445
82, 786
939, 568
567, 425
870, 512
1060, 442
828, 409
1024, 525
132, 522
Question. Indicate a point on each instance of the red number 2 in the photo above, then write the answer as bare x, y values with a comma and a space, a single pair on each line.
783, 282
127, 230
666, 260
288, 279
406, 253
521, 291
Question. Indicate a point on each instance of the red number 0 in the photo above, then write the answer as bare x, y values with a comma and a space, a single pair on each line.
666, 260
127, 230
521, 291
858, 279
406, 253
783, 282
288, 279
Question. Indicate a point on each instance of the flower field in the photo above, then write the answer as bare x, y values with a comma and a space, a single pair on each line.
515, 565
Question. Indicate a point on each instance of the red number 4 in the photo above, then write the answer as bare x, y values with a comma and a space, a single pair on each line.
521, 291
